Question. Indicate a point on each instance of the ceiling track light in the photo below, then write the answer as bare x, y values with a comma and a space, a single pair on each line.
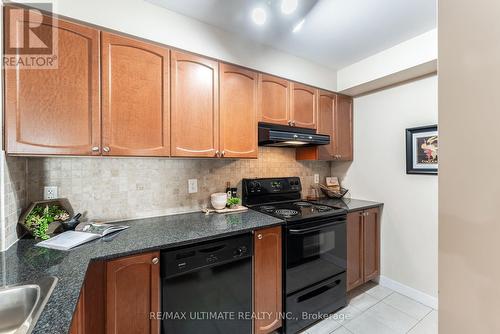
259, 16
288, 6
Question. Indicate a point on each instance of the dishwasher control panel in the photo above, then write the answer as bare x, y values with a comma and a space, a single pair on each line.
184, 259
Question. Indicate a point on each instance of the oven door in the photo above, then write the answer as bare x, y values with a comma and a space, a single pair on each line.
315, 251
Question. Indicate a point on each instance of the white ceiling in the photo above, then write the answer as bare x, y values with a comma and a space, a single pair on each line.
336, 33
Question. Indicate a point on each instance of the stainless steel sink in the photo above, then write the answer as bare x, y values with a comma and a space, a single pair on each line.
21, 304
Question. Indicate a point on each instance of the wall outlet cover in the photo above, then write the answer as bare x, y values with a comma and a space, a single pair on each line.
50, 192
192, 186
316, 178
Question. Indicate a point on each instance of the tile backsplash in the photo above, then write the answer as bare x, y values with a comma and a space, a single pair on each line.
15, 197
118, 188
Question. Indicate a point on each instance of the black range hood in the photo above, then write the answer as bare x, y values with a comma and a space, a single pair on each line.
289, 136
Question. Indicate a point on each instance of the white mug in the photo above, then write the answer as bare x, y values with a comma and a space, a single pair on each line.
218, 200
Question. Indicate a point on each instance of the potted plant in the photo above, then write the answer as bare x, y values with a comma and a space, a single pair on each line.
43, 218
233, 202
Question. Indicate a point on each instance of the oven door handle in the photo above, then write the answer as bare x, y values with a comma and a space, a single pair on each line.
315, 228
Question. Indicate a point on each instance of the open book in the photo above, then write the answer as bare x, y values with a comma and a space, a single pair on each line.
70, 239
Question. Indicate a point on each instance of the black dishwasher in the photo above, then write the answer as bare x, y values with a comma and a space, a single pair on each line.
207, 288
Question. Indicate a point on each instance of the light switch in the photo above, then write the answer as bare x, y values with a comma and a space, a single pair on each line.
192, 186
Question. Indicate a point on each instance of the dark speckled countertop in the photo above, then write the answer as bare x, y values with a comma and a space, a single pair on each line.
350, 204
25, 262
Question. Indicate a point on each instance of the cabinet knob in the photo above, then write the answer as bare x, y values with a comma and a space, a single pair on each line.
105, 149
259, 236
217, 153
95, 149
289, 122
293, 123
222, 153
155, 260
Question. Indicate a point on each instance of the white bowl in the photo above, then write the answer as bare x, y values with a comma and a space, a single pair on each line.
218, 200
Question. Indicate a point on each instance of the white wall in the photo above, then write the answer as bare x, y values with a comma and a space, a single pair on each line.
143, 19
409, 224
410, 59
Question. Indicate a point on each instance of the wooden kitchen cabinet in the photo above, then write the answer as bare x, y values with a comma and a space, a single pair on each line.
363, 247
194, 106
267, 279
238, 112
343, 129
326, 113
135, 97
303, 106
274, 100
132, 292
89, 315
55, 111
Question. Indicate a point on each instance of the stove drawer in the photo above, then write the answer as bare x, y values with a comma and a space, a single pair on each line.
323, 298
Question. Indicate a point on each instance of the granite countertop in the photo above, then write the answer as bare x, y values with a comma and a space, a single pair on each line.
24, 262
350, 204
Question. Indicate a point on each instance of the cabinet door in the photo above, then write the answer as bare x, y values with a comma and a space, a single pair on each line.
304, 105
267, 279
238, 112
195, 106
274, 100
343, 129
132, 292
135, 96
55, 111
371, 246
354, 250
325, 122
78, 321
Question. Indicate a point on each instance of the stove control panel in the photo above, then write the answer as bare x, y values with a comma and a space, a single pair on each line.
257, 188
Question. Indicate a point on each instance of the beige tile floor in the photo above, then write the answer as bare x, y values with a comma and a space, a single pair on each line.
374, 309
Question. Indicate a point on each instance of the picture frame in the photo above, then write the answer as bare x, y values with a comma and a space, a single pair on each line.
422, 150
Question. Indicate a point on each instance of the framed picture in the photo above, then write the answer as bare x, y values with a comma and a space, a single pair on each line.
422, 150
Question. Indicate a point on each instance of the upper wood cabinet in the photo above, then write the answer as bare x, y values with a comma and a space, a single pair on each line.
135, 97
267, 279
343, 129
132, 292
363, 247
55, 111
274, 100
326, 114
303, 106
238, 112
194, 106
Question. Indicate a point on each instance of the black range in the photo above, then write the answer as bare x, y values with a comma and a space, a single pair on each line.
314, 248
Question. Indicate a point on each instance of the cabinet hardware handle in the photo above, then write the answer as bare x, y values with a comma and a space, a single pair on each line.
259, 236
289, 122
217, 153
310, 137
155, 260
95, 148
293, 123
222, 153
295, 136
105, 149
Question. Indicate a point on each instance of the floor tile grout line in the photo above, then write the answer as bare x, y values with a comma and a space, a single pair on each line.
410, 314
425, 316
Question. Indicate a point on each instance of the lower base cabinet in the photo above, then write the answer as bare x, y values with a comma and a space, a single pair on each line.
118, 296
267, 280
363, 247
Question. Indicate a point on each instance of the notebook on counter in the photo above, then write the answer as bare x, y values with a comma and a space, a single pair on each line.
71, 239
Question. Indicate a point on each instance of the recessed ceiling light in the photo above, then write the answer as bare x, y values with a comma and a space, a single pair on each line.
288, 6
299, 25
259, 16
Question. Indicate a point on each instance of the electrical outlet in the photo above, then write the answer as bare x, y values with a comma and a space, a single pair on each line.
192, 186
49, 192
316, 178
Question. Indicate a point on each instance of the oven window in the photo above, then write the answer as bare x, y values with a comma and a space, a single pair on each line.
313, 255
